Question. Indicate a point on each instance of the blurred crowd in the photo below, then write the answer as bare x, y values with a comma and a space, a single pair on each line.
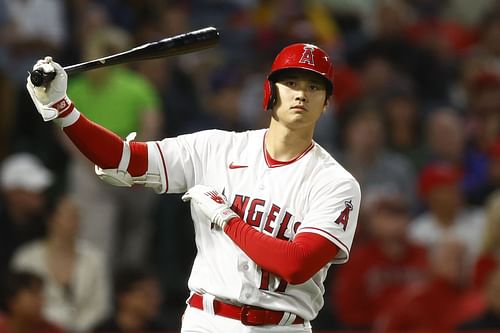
415, 118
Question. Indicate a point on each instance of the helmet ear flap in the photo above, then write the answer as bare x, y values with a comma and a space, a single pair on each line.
269, 95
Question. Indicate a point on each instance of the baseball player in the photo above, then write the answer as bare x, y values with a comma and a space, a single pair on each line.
272, 210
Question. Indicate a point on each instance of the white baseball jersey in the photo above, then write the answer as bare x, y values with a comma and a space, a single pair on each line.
311, 194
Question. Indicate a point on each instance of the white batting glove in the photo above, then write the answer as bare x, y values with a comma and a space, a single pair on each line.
213, 204
50, 100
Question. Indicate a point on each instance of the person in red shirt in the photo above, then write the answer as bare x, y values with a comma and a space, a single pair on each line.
441, 302
380, 267
22, 304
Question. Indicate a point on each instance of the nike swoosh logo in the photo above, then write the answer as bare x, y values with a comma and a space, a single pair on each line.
236, 166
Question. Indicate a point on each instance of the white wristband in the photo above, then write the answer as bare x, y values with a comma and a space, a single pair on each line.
70, 119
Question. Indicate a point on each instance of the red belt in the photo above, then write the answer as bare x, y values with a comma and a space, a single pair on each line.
248, 315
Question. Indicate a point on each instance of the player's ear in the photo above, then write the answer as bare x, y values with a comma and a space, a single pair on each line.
270, 95
327, 104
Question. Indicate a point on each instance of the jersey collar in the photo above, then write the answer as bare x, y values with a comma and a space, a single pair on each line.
272, 163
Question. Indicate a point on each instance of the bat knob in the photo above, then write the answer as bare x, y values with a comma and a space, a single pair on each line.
39, 77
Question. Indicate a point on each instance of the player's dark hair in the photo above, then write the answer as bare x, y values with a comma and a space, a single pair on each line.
284, 73
14, 282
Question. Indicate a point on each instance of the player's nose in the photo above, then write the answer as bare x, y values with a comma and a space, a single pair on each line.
300, 96
301, 91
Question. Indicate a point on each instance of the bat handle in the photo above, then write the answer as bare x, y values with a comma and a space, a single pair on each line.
38, 77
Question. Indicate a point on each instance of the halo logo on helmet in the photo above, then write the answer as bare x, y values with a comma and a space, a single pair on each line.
307, 56
299, 56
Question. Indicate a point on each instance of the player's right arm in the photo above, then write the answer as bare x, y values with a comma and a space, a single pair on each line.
120, 162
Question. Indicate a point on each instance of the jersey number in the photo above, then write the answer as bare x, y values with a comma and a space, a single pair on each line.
264, 282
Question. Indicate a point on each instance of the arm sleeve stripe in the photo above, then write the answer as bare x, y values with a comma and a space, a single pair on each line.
164, 166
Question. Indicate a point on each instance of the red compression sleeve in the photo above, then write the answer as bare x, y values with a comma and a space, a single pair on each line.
295, 261
138, 164
104, 147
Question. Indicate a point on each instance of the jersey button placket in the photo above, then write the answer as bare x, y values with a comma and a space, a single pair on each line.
263, 180
246, 294
243, 266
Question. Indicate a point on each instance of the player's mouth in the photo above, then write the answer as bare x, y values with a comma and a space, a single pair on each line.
300, 108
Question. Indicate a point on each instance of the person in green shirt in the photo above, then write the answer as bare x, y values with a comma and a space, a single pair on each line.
118, 98
125, 102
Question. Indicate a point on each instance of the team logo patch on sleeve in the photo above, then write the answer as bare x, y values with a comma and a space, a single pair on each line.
343, 218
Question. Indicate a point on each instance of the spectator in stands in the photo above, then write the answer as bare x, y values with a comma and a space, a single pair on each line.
489, 319
387, 43
125, 102
440, 303
376, 75
137, 303
380, 267
446, 213
445, 135
22, 302
34, 29
76, 283
447, 142
23, 183
364, 152
489, 258
403, 121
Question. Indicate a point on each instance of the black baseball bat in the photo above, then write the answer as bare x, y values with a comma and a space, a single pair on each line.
171, 46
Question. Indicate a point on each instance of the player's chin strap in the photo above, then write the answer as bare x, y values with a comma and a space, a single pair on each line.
121, 177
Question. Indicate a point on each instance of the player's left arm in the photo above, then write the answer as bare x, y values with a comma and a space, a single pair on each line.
320, 241
295, 262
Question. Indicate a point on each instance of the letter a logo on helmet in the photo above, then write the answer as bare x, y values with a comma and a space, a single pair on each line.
299, 56
307, 56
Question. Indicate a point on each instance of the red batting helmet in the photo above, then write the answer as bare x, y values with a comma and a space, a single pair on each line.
302, 56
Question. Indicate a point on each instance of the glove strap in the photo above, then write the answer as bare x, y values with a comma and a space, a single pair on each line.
64, 107
223, 217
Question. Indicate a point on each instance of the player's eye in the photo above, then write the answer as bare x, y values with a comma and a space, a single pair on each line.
315, 86
291, 83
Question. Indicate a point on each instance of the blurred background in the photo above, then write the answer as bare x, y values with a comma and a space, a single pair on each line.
415, 117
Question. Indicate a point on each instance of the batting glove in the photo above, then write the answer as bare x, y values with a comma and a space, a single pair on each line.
213, 204
51, 100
